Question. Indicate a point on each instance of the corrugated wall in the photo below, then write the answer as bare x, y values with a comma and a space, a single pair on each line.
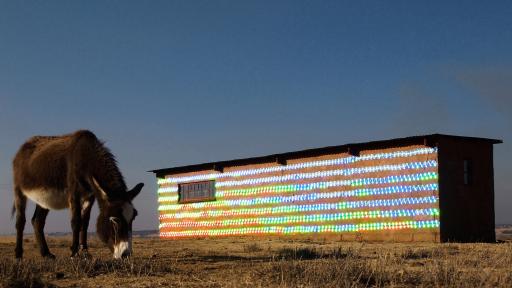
388, 194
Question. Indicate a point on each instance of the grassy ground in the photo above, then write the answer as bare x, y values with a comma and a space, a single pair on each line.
257, 262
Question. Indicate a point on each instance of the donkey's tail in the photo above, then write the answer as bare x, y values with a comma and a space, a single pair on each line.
13, 210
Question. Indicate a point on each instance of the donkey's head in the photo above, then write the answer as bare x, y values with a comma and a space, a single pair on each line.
114, 225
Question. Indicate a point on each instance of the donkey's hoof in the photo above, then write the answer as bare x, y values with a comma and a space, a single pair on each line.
49, 256
19, 254
84, 253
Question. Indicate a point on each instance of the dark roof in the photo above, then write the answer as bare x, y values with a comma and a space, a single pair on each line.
354, 148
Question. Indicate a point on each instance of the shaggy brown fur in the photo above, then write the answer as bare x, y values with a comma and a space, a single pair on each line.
71, 171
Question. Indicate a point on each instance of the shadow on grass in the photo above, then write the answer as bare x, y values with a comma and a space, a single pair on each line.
37, 272
307, 253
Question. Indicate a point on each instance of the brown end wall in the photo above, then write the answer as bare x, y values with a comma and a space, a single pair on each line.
466, 210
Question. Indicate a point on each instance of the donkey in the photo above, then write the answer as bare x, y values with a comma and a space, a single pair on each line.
71, 171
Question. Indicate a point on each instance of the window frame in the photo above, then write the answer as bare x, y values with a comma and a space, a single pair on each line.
188, 187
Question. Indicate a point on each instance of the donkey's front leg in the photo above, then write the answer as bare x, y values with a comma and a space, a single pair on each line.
86, 215
76, 223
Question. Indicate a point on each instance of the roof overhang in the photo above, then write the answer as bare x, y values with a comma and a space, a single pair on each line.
431, 140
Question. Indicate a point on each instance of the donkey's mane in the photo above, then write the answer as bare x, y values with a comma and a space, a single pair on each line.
106, 172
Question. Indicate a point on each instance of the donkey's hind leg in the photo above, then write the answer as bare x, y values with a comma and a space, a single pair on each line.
20, 203
38, 221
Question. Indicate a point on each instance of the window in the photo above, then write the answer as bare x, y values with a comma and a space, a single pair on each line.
468, 171
196, 192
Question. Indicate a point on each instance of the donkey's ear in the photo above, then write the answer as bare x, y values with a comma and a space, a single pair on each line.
135, 191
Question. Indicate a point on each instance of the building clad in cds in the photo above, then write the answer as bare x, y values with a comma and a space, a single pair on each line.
435, 188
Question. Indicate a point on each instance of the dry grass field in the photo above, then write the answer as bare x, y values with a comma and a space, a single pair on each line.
258, 262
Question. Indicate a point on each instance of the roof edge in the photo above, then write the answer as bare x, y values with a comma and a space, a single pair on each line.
352, 148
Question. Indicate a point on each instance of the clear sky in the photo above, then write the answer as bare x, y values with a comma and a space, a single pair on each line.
169, 83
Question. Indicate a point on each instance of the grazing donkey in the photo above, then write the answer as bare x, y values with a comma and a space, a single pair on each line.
71, 171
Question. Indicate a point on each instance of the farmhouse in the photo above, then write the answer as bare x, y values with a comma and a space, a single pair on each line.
436, 188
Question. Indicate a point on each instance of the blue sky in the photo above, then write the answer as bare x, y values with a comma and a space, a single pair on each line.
169, 83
